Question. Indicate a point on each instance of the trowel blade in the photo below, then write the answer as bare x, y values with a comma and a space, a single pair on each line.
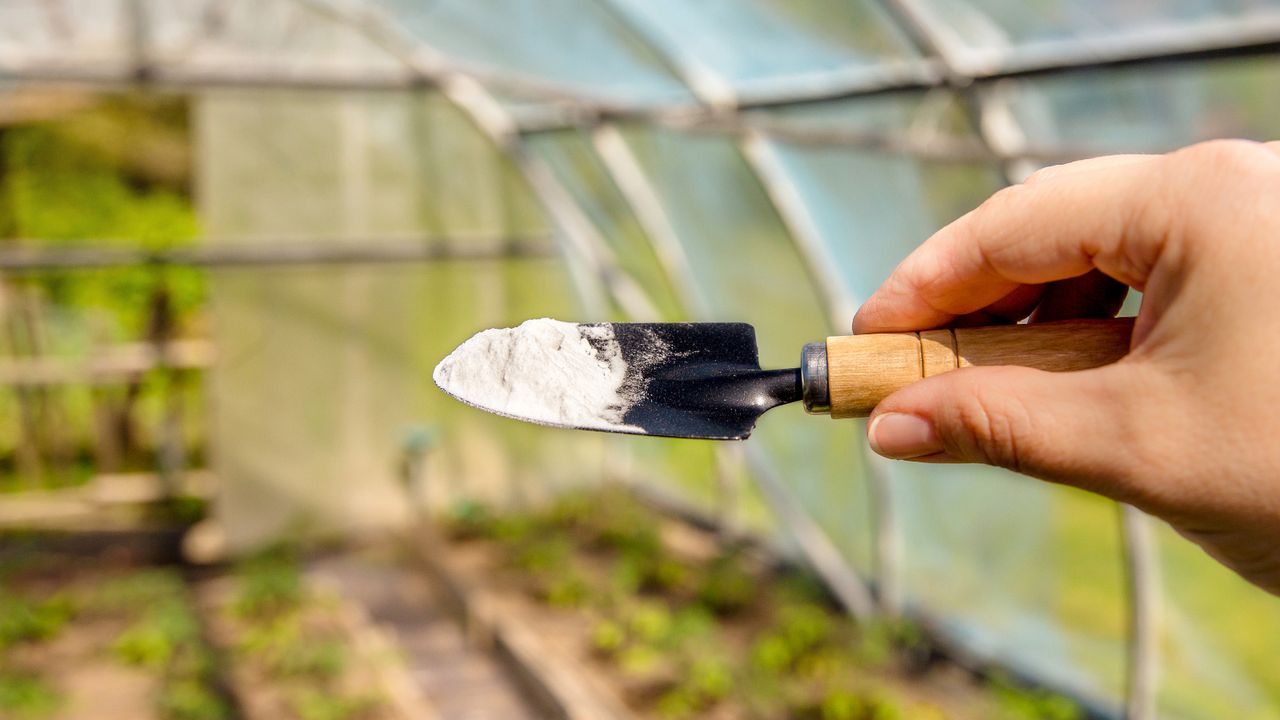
686, 380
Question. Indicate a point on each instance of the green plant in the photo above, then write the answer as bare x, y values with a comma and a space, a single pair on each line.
191, 699
287, 650
841, 705
650, 623
772, 654
270, 584
677, 704
545, 555
608, 637
805, 627
28, 620
156, 638
27, 696
136, 590
1022, 703
727, 587
319, 658
711, 679
469, 519
829, 664
565, 591
640, 660
880, 641
312, 704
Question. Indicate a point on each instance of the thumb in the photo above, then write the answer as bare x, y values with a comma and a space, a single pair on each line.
1068, 427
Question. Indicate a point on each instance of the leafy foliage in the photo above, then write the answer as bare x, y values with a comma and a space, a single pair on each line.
26, 696
664, 622
29, 620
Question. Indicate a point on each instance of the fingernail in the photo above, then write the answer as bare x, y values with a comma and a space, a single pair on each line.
901, 436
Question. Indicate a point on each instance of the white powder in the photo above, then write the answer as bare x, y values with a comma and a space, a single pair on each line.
546, 371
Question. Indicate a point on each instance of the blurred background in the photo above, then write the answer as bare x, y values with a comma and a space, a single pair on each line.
235, 237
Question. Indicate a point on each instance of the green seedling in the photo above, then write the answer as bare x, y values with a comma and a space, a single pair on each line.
187, 509
881, 641
155, 639
710, 679
841, 705
286, 651
726, 587
625, 578
469, 520
270, 585
805, 627
826, 665
136, 590
27, 696
608, 637
639, 661
693, 624
321, 659
568, 591
650, 623
191, 699
546, 555
311, 704
881, 708
28, 620
571, 510
677, 704
772, 654
1021, 703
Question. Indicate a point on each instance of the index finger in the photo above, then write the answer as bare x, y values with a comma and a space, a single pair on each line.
1061, 224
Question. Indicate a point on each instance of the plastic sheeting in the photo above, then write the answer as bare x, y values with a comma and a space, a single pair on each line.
322, 383
325, 372
718, 210
1152, 109
577, 44
749, 50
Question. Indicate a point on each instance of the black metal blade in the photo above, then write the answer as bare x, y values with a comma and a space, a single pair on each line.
699, 380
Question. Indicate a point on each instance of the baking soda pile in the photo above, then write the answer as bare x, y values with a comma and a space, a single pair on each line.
545, 371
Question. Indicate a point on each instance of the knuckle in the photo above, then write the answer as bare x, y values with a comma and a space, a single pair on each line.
1043, 174
1235, 156
988, 427
992, 215
1001, 202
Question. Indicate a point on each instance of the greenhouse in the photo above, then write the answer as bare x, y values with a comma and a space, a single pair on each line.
322, 198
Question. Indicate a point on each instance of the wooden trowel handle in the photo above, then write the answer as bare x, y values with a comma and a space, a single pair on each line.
862, 370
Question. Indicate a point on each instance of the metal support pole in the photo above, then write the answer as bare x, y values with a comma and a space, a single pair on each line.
728, 506
1142, 566
840, 306
625, 170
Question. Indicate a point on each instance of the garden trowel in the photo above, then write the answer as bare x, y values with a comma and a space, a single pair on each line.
704, 380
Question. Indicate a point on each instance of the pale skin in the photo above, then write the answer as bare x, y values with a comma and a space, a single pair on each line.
1187, 426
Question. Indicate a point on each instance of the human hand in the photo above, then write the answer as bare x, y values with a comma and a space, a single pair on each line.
1187, 426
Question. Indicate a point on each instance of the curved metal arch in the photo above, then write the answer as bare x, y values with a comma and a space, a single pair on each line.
718, 94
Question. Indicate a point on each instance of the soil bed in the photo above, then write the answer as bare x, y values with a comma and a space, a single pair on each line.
662, 619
